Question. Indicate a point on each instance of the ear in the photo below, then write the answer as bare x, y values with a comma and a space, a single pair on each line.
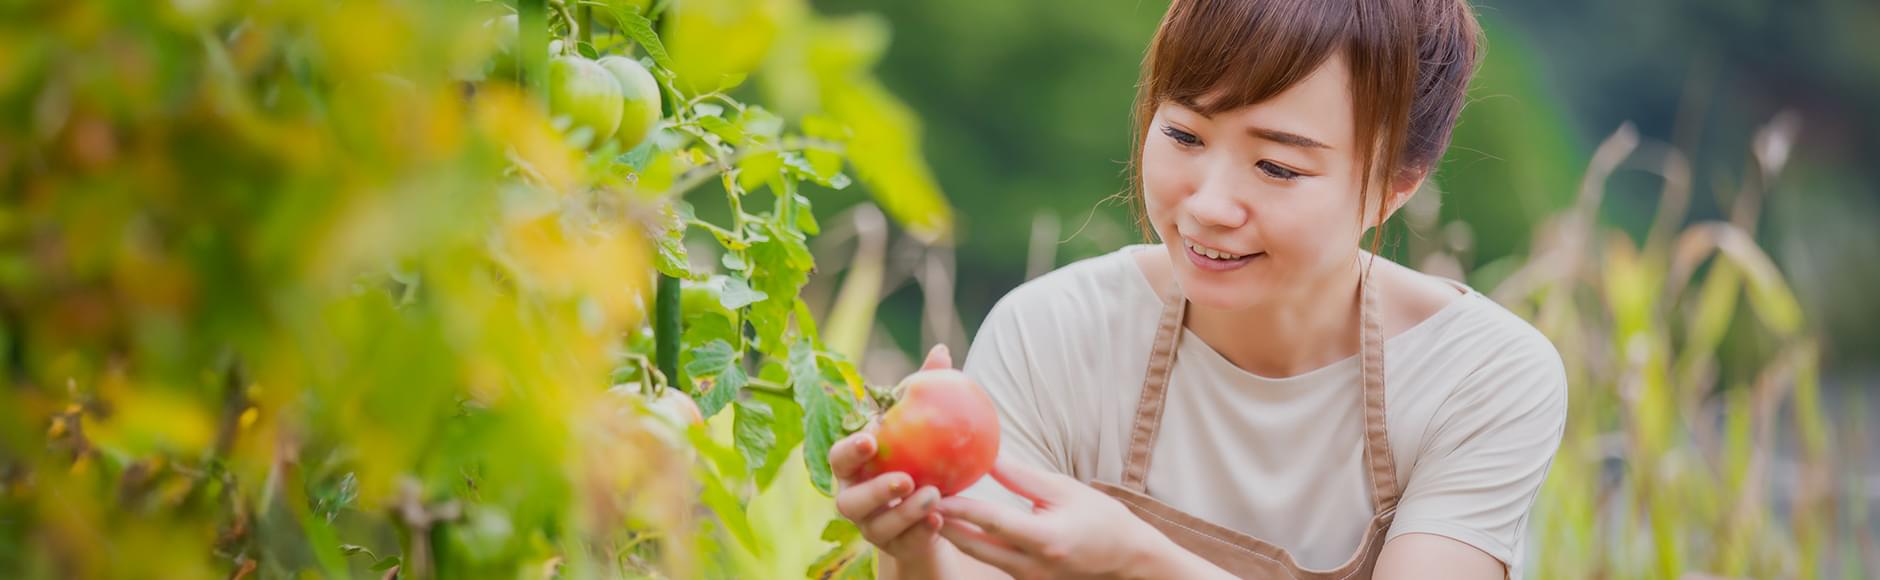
1399, 193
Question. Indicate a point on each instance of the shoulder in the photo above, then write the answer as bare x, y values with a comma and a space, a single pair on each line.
1491, 356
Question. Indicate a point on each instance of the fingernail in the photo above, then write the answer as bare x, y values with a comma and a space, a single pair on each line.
898, 486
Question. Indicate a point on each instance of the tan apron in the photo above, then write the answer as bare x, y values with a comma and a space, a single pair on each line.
1238, 553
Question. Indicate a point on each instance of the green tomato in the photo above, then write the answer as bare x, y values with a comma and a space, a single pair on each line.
640, 94
584, 92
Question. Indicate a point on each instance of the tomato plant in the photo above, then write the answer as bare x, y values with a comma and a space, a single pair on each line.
324, 288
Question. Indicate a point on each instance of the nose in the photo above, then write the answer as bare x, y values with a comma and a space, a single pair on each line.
1214, 203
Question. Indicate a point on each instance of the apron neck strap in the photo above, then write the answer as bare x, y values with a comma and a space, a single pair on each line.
1379, 460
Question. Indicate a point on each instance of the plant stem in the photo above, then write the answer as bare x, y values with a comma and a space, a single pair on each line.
666, 327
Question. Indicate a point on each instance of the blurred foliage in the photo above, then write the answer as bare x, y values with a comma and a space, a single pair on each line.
317, 288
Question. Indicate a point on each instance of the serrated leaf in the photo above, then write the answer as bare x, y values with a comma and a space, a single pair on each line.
709, 110
824, 413
672, 260
735, 293
713, 397
640, 30
787, 424
732, 261
754, 431
711, 359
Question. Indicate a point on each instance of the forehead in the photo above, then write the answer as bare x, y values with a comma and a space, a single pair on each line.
1318, 106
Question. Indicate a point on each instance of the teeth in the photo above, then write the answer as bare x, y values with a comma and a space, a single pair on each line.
1211, 252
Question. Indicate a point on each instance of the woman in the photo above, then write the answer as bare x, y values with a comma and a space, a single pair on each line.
1255, 396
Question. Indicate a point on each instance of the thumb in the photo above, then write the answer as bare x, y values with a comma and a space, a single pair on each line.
938, 358
1043, 488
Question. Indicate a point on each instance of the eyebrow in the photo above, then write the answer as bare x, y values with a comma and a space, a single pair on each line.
1274, 135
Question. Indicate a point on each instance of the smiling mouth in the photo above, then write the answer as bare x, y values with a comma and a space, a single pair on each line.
1213, 254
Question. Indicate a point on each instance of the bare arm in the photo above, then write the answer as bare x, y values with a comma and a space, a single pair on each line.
1418, 556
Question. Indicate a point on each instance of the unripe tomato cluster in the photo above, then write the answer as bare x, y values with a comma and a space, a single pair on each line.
615, 97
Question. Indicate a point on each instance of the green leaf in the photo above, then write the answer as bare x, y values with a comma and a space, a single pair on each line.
726, 509
757, 168
672, 259
711, 359
760, 122
805, 322
806, 219
787, 424
720, 127
754, 431
851, 560
716, 376
732, 261
736, 293
386, 564
713, 396
640, 30
824, 413
840, 530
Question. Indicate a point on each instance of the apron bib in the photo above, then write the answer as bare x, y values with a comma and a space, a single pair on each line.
1238, 553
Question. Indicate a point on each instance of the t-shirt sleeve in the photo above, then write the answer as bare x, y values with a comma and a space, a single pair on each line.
1491, 443
1002, 361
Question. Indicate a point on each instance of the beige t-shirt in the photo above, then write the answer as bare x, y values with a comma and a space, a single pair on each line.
1475, 406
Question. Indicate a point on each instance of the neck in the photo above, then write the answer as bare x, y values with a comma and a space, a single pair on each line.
1291, 335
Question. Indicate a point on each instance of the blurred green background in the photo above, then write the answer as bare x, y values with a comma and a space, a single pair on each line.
1026, 108
1026, 112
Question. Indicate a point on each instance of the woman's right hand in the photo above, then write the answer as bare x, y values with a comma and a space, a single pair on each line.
892, 515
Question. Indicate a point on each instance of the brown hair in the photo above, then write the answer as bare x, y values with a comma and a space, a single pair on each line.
1410, 63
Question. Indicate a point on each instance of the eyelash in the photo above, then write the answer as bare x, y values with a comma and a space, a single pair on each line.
1271, 169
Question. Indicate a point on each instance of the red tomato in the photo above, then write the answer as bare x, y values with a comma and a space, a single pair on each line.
678, 408
943, 432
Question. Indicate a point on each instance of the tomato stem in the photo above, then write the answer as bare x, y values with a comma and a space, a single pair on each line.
666, 328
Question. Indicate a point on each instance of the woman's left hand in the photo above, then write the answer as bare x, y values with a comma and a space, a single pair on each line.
1072, 531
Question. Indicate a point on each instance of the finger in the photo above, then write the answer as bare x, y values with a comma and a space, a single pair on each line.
847, 456
923, 533
984, 547
1043, 488
862, 499
889, 523
938, 358
1010, 526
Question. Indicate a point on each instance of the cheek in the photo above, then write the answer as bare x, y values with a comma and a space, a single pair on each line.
1164, 181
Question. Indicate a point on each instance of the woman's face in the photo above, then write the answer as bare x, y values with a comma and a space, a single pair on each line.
1273, 185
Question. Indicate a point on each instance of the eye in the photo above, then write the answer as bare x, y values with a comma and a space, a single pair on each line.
1183, 138
1277, 171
